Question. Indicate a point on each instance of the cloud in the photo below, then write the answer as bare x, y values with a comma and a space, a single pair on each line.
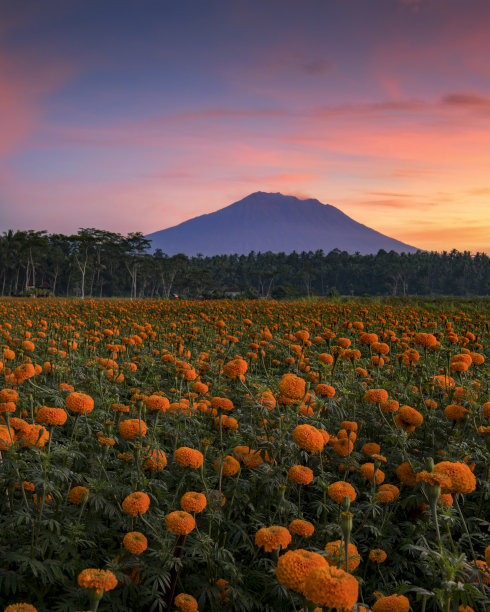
468, 101
318, 66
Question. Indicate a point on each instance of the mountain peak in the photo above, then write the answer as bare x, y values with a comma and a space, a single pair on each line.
264, 221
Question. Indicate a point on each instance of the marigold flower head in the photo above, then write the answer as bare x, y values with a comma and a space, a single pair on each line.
185, 603
156, 460
229, 466
389, 406
331, 587
377, 555
368, 470
100, 580
387, 493
336, 555
272, 538
79, 403
136, 503
51, 416
425, 340
376, 396
130, 429
340, 489
20, 607
193, 501
235, 368
302, 528
292, 386
393, 603
11, 395
300, 474
406, 474
308, 438
325, 390
180, 522
408, 418
189, 457
77, 495
294, 566
462, 478
157, 403
135, 542
486, 410
222, 403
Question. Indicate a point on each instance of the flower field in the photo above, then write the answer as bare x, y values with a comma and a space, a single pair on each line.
244, 455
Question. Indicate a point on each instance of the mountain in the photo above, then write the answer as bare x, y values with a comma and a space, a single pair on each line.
273, 222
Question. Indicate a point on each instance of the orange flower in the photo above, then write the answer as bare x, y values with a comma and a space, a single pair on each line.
340, 489
462, 478
298, 527
300, 474
79, 402
455, 412
387, 493
408, 418
331, 587
136, 503
230, 466
180, 522
325, 390
221, 403
185, 603
77, 495
368, 470
10, 395
189, 457
377, 555
272, 538
100, 580
376, 396
235, 368
336, 555
130, 429
51, 416
157, 403
393, 603
294, 566
406, 475
425, 340
20, 607
135, 542
292, 386
156, 460
193, 502
308, 438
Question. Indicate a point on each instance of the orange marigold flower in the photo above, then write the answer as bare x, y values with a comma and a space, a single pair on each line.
368, 470
455, 412
7, 407
266, 399
389, 406
77, 495
302, 528
79, 403
340, 489
486, 410
308, 438
406, 474
193, 501
51, 416
292, 386
130, 429
272, 538
235, 368
370, 448
343, 446
433, 479
325, 390
387, 493
294, 566
393, 603
336, 555
462, 478
221, 403
180, 522
408, 418
156, 460
487, 555
425, 340
376, 396
20, 607
100, 580
230, 466
446, 499
157, 403
185, 603
189, 457
32, 435
300, 474
24, 371
377, 555
136, 503
135, 542
331, 587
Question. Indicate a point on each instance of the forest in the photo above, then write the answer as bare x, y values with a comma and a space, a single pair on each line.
98, 263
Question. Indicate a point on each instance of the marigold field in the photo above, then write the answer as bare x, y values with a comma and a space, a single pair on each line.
244, 455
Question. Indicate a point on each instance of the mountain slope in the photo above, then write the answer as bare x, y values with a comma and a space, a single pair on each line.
273, 222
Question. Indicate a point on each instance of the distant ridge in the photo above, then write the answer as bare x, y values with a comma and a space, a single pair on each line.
273, 222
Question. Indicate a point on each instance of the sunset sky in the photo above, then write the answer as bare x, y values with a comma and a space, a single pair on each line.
137, 115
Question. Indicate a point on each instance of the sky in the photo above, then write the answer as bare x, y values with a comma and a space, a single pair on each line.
136, 115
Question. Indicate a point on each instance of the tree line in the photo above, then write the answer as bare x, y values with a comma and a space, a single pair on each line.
98, 263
